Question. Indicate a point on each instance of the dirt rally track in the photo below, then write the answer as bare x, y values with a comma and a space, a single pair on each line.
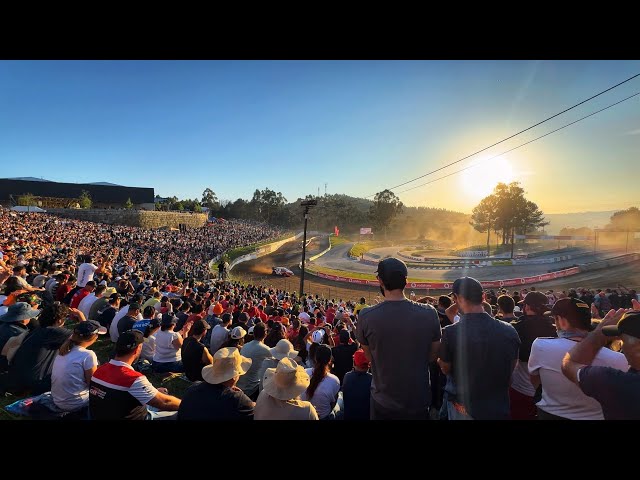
290, 255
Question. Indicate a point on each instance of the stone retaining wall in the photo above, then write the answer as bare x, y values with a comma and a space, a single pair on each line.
133, 218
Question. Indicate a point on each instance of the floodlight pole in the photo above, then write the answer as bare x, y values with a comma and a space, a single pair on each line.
304, 250
307, 204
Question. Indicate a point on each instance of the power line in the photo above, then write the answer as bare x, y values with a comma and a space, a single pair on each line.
521, 145
514, 135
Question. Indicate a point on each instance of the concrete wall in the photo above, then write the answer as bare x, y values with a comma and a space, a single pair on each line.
133, 218
264, 250
611, 262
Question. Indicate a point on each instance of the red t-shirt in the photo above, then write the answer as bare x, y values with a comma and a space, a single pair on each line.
62, 292
77, 297
330, 314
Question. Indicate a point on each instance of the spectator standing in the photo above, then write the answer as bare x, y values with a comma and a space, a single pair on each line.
562, 399
478, 355
617, 391
400, 337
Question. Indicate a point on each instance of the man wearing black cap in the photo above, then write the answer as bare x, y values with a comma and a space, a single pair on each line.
118, 392
129, 320
113, 329
106, 314
478, 355
617, 391
533, 324
561, 399
400, 337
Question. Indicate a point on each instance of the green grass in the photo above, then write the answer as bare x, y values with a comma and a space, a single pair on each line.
355, 275
103, 348
335, 241
362, 247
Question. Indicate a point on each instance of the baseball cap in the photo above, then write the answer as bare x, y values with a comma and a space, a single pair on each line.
168, 319
571, 309
536, 299
237, 333
391, 266
114, 296
317, 336
90, 327
360, 359
629, 324
469, 288
130, 339
134, 306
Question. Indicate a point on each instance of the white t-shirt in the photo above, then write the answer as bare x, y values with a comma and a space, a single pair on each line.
3, 309
165, 351
40, 280
50, 283
219, 335
325, 394
560, 396
21, 281
85, 273
85, 304
520, 380
113, 329
68, 386
148, 348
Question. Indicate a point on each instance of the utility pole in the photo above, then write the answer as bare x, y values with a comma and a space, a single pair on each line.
325, 189
626, 249
307, 204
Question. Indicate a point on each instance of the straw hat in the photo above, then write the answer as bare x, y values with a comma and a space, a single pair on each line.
227, 363
286, 381
284, 348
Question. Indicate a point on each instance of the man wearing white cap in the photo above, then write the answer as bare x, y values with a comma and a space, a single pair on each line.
217, 398
280, 398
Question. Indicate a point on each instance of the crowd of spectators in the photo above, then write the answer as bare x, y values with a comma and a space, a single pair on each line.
254, 352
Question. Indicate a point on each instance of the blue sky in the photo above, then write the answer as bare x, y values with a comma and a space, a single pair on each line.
359, 126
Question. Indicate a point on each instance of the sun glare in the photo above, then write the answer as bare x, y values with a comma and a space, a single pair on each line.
479, 181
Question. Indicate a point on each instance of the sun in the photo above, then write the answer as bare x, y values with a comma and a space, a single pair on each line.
480, 180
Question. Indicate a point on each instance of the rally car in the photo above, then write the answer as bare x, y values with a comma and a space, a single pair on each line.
281, 272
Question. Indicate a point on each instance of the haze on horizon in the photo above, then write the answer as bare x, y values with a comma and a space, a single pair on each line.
359, 126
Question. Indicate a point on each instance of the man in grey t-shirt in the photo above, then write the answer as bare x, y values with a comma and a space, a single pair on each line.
400, 337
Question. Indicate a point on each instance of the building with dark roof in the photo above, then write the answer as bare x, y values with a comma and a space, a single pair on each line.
57, 194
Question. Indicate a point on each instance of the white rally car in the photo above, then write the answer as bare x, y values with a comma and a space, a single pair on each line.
281, 272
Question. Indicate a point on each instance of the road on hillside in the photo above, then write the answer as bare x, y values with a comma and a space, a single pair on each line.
290, 255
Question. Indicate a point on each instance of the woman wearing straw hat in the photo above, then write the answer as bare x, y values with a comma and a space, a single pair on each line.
218, 398
279, 400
